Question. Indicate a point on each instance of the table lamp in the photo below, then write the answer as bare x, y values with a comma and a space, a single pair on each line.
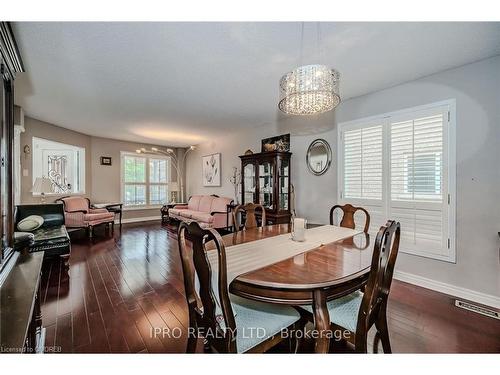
174, 188
42, 186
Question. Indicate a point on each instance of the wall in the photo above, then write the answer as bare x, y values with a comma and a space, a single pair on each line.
476, 88
102, 183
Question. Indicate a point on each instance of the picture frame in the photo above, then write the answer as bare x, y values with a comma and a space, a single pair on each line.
106, 160
211, 170
278, 143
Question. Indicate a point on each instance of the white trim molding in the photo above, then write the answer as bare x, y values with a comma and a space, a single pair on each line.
452, 290
138, 219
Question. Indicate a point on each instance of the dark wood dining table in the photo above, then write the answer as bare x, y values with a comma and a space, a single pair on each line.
314, 277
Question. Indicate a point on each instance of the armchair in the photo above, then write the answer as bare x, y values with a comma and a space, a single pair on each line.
79, 214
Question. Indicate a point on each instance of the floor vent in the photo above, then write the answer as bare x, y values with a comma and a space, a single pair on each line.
477, 309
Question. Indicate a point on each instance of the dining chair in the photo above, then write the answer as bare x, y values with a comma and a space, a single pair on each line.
228, 324
359, 311
348, 212
250, 218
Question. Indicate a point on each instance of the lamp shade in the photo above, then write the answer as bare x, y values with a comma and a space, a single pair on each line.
42, 185
173, 186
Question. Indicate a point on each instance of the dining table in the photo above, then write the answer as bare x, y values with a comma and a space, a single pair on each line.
265, 264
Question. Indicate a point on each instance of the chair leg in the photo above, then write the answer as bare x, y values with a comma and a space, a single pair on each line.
360, 345
376, 340
300, 326
206, 347
381, 325
65, 259
192, 343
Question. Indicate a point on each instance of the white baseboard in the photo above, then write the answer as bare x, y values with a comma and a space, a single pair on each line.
467, 294
138, 219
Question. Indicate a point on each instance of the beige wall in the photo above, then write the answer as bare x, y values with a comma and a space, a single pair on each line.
102, 183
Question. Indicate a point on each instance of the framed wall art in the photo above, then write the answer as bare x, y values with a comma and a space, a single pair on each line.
211, 170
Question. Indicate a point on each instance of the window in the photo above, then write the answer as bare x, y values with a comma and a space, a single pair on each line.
62, 164
426, 178
145, 180
401, 166
363, 162
134, 180
416, 159
158, 181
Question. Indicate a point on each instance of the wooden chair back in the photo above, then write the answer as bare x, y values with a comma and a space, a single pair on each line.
251, 220
202, 304
348, 212
377, 289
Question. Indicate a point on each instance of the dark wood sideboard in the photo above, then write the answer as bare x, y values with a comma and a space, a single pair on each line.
20, 316
21, 328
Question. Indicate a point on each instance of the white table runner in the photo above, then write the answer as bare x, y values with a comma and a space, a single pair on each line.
253, 255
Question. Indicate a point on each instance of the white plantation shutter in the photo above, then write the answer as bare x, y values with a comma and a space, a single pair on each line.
417, 199
417, 159
144, 180
363, 163
363, 172
398, 167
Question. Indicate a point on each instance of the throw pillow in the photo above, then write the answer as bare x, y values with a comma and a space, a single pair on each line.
30, 223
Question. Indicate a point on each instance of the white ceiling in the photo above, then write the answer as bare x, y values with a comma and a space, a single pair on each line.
181, 83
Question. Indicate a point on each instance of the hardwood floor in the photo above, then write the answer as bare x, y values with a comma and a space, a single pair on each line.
118, 289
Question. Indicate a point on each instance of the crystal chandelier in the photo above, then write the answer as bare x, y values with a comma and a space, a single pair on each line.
309, 89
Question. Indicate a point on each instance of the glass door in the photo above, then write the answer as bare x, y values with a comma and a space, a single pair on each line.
266, 184
283, 184
249, 184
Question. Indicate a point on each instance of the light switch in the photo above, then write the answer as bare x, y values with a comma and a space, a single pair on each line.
25, 173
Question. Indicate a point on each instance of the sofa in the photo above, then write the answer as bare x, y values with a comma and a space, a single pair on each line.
79, 214
209, 211
52, 237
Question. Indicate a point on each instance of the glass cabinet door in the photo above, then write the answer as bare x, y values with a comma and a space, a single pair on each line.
283, 183
249, 184
266, 183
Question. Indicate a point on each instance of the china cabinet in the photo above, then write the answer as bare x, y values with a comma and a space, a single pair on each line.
265, 180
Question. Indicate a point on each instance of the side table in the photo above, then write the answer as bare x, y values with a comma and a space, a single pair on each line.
117, 208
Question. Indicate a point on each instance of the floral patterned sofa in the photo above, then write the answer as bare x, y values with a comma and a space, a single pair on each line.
210, 211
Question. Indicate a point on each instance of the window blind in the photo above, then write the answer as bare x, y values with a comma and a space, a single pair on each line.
416, 180
417, 159
397, 166
145, 180
363, 163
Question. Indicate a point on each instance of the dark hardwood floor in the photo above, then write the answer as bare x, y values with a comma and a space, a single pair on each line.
119, 288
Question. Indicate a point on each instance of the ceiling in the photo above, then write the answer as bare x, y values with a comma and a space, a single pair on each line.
181, 83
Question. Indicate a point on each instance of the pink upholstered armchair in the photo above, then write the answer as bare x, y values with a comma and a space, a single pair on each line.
78, 214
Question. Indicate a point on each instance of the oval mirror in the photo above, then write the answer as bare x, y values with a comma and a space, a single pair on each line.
318, 157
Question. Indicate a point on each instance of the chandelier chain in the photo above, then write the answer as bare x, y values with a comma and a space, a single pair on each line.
310, 89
